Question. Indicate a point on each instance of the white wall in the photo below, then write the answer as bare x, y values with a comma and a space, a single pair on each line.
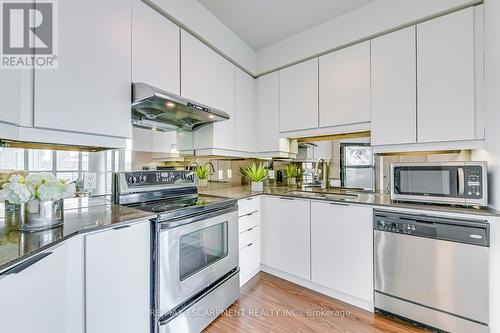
491, 153
193, 15
372, 19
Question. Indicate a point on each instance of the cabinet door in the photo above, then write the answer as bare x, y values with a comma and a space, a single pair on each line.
155, 49
298, 96
246, 116
90, 90
208, 78
117, 276
393, 89
269, 108
344, 86
16, 104
445, 72
285, 237
47, 296
154, 141
342, 248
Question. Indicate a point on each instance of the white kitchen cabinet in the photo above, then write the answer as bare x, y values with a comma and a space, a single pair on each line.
89, 92
342, 248
117, 279
249, 237
393, 88
445, 74
246, 112
269, 108
155, 49
298, 96
208, 78
47, 295
285, 238
16, 104
344, 86
147, 140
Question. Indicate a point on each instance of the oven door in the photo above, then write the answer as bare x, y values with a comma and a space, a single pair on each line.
194, 254
428, 183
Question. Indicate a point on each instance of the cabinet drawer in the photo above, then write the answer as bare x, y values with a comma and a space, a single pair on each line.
249, 261
248, 221
250, 236
248, 205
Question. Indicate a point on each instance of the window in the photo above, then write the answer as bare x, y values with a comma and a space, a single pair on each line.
67, 160
11, 159
40, 160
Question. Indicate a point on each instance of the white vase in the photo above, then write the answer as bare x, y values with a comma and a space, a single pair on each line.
257, 186
202, 182
291, 181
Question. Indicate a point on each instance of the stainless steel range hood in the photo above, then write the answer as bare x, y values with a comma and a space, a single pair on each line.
157, 109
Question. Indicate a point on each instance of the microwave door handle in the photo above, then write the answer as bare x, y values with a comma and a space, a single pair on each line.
461, 181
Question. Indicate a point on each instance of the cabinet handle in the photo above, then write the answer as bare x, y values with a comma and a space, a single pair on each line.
250, 244
286, 198
251, 198
121, 227
250, 229
338, 204
25, 264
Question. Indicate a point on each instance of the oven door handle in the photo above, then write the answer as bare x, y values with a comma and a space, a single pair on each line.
169, 224
461, 181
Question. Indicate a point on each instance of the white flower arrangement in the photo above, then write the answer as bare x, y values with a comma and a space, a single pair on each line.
41, 186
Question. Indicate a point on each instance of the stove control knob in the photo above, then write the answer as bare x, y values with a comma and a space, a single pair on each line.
142, 178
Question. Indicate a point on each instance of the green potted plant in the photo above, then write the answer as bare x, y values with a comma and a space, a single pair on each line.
202, 173
257, 174
291, 173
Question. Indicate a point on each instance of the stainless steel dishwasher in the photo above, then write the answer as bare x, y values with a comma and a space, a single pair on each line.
432, 270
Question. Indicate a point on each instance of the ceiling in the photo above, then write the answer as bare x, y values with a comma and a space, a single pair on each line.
260, 23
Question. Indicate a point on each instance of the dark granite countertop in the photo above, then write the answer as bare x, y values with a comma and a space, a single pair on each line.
80, 215
236, 191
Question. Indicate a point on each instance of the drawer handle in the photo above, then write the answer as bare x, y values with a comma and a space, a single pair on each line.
250, 244
249, 214
250, 229
25, 264
286, 198
251, 198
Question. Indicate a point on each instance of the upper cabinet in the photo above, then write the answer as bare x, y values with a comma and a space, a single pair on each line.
147, 140
393, 88
246, 115
344, 86
445, 74
155, 49
298, 96
17, 95
208, 78
89, 92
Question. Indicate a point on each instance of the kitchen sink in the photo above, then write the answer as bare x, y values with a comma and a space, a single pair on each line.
324, 195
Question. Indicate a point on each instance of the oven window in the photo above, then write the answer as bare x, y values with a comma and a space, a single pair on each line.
202, 248
425, 181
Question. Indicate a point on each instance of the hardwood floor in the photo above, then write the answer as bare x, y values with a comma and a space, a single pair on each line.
270, 304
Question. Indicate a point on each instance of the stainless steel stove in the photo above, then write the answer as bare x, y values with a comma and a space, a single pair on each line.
195, 247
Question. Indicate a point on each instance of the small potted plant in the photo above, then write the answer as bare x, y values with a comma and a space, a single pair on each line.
202, 173
256, 174
291, 173
39, 197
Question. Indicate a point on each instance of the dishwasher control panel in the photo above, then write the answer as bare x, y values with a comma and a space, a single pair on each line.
474, 232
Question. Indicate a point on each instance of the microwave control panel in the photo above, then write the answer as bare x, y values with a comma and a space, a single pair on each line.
473, 182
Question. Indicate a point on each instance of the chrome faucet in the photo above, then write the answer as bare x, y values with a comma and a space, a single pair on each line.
212, 171
192, 165
324, 173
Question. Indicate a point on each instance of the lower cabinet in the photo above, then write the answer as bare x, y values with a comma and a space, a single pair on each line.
342, 248
117, 291
249, 237
286, 235
44, 294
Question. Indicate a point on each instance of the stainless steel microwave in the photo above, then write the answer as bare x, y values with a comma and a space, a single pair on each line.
453, 183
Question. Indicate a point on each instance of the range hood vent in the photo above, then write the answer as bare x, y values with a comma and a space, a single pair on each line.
157, 109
